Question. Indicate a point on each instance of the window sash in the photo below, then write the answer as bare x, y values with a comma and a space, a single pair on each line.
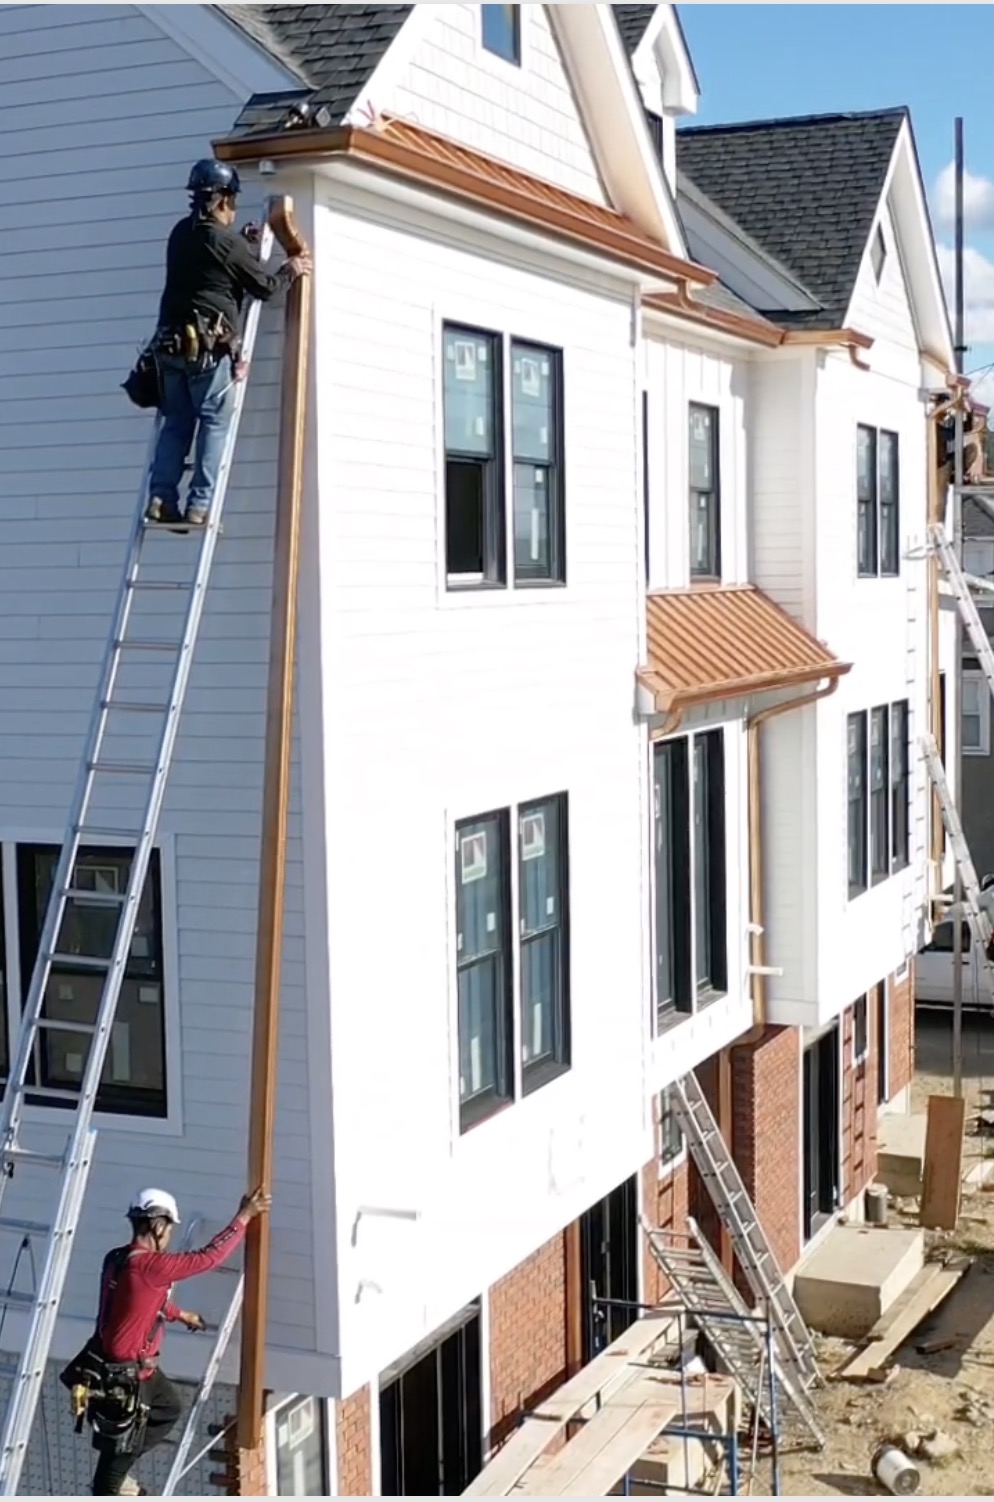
704, 491
543, 922
500, 31
672, 872
878, 509
866, 499
857, 802
536, 456
483, 965
890, 520
900, 781
670, 1144
880, 794
975, 714
302, 1459
134, 1079
472, 404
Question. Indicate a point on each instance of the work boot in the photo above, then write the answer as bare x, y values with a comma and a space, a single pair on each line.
129, 1488
166, 512
196, 516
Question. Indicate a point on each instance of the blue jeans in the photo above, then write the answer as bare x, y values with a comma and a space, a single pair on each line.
193, 401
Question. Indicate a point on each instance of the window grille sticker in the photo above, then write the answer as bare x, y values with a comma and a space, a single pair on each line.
464, 352
530, 377
532, 836
473, 856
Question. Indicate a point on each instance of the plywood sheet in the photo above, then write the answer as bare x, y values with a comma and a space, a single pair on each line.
943, 1170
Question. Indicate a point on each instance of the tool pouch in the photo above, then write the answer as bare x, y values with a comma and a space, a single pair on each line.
143, 386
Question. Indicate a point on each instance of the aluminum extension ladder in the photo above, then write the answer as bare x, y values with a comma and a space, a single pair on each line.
182, 1464
73, 1164
977, 915
960, 585
716, 1166
708, 1294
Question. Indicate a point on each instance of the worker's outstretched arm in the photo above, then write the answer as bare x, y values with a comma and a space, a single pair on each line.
164, 1268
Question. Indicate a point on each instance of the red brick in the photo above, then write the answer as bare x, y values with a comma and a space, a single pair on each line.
859, 1107
901, 1020
664, 1204
352, 1429
766, 1125
527, 1336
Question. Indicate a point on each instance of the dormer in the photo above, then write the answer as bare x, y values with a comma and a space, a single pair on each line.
664, 72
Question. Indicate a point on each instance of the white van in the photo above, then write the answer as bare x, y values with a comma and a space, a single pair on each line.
934, 965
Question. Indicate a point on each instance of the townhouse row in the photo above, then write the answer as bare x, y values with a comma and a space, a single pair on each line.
613, 636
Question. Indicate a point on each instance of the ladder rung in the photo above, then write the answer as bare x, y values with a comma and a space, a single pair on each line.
95, 899
24, 1227
28, 1156
17, 1300
164, 584
133, 708
146, 644
123, 768
105, 832
58, 1026
77, 962
47, 1092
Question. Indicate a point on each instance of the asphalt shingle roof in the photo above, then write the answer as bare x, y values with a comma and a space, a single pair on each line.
806, 189
333, 49
632, 21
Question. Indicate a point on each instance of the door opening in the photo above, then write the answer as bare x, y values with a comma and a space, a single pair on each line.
821, 1131
431, 1420
609, 1249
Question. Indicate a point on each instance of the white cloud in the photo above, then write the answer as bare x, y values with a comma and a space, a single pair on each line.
978, 199
978, 291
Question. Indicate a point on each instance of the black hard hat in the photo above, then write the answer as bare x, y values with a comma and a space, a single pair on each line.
210, 176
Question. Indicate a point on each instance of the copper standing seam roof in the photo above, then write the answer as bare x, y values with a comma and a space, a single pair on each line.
404, 150
709, 643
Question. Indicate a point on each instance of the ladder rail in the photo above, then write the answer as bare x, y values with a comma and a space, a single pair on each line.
977, 915
964, 600
81, 1144
180, 1466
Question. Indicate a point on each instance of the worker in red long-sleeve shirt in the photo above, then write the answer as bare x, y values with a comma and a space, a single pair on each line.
135, 1287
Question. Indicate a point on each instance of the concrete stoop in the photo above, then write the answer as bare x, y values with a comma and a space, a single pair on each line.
901, 1153
855, 1275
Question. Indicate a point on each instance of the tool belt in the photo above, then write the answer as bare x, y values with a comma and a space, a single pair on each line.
108, 1396
201, 339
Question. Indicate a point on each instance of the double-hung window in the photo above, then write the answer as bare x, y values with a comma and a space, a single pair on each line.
690, 913
134, 1075
504, 928
705, 493
856, 784
900, 785
879, 794
978, 560
493, 429
878, 510
976, 714
302, 1448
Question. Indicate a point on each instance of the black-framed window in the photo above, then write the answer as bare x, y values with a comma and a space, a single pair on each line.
134, 1075
900, 785
856, 784
543, 925
671, 1143
536, 452
878, 508
484, 965
302, 1448
860, 1029
705, 492
501, 31
880, 793
689, 873
474, 490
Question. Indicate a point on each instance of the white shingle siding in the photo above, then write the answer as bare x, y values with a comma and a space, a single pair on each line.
525, 115
101, 115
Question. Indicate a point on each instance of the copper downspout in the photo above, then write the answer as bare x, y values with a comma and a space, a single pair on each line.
934, 502
757, 947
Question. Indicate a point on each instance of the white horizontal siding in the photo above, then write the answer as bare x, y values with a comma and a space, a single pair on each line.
781, 479
525, 115
99, 109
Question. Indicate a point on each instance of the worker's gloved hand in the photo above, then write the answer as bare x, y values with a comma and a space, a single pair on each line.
252, 233
241, 370
192, 1321
301, 265
256, 1203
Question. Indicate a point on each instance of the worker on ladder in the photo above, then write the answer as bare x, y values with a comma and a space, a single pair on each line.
115, 1381
210, 269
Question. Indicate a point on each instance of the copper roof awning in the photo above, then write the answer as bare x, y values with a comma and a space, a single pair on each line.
706, 644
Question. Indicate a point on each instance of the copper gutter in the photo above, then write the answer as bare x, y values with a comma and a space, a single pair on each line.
757, 946
678, 701
463, 174
681, 305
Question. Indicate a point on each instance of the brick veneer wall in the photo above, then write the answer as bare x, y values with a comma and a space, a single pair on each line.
664, 1204
354, 1442
766, 1110
859, 1106
527, 1336
901, 1021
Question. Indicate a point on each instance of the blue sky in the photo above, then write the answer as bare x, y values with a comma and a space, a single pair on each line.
754, 61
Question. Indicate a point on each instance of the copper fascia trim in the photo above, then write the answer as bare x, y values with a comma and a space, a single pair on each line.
756, 331
376, 149
672, 701
828, 337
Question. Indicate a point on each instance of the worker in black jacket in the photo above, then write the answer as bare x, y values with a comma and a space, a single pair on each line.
210, 269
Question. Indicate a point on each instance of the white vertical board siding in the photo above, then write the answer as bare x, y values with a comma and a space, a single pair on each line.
883, 310
679, 374
781, 473
100, 117
525, 115
445, 705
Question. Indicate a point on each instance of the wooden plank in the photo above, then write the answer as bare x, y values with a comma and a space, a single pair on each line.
608, 1372
933, 1289
605, 1449
275, 814
943, 1171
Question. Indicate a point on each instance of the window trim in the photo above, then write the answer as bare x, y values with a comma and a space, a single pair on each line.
975, 676
882, 541
556, 468
513, 61
666, 1163
172, 1123
494, 528
703, 576
539, 1072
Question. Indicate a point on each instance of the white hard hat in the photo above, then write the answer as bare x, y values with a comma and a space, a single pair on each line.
155, 1204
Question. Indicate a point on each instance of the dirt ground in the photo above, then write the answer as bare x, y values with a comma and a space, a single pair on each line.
950, 1393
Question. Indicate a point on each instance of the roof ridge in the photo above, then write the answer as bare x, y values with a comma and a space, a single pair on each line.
895, 111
